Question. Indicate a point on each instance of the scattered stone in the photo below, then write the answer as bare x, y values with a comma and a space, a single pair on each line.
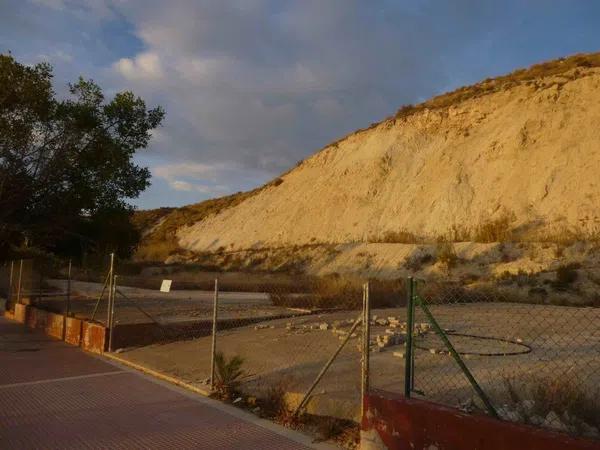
553, 421
467, 406
237, 400
256, 410
324, 326
260, 327
398, 354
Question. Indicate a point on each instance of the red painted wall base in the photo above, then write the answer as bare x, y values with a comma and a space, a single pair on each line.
393, 422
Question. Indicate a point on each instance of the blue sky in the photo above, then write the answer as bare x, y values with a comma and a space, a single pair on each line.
253, 86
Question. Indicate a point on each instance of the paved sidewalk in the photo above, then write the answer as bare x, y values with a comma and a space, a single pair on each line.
55, 396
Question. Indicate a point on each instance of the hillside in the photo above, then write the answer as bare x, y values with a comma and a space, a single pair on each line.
514, 158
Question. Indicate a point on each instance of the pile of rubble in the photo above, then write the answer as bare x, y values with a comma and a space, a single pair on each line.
393, 333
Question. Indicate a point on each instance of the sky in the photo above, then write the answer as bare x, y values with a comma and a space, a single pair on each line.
251, 87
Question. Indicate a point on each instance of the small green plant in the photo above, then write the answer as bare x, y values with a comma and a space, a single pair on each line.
274, 405
229, 373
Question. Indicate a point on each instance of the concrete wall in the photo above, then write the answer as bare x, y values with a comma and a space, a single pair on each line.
394, 422
73, 330
89, 336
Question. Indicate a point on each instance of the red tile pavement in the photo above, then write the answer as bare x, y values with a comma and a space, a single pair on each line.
55, 396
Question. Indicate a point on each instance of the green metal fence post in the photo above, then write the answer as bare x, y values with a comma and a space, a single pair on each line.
440, 332
409, 337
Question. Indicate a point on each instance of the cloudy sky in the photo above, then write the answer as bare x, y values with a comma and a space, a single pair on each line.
253, 86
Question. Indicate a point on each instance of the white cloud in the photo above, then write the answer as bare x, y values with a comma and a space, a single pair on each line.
192, 177
145, 66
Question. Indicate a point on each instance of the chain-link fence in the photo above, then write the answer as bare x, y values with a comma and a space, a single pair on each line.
27, 280
294, 343
482, 351
271, 346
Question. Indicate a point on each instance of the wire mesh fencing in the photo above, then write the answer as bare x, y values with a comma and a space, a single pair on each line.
269, 346
485, 351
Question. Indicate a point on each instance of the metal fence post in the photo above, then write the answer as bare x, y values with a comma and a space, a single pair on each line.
408, 366
110, 286
111, 325
68, 312
19, 281
366, 338
213, 347
10, 285
325, 368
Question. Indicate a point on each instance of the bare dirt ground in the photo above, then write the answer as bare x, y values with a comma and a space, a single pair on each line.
550, 341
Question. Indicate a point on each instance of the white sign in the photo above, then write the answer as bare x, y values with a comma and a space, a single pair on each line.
165, 286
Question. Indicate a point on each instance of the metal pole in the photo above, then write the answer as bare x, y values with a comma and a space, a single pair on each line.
409, 338
326, 366
484, 398
111, 325
111, 274
213, 348
19, 282
10, 284
366, 338
100, 298
69, 289
412, 352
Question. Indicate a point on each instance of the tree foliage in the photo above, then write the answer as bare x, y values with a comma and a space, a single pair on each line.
66, 165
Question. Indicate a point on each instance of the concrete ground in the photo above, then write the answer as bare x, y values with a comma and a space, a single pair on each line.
55, 396
563, 343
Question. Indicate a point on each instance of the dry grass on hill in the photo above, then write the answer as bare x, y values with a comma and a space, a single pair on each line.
161, 242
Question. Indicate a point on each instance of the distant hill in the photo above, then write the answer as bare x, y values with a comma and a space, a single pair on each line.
511, 158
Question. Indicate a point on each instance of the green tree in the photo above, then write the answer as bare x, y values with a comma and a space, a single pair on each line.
66, 165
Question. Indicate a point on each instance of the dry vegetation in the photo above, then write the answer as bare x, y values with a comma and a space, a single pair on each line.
339, 292
162, 241
563, 400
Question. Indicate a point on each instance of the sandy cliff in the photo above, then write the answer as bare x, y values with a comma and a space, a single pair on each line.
527, 153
